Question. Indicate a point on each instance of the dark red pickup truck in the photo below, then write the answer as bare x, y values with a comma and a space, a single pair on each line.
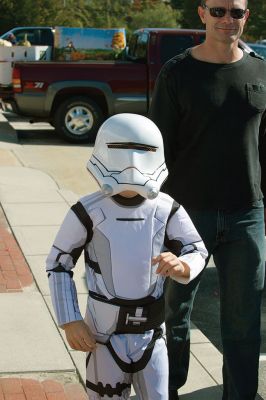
76, 97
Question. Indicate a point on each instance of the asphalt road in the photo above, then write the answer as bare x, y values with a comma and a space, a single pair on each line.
39, 147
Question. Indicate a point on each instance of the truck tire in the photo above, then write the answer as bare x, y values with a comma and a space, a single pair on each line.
78, 119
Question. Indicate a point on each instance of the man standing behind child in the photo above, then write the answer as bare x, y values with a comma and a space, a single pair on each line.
209, 104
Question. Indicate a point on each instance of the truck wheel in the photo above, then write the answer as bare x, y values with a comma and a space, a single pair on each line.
78, 119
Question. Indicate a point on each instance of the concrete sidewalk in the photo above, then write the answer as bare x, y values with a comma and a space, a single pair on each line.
33, 350
36, 363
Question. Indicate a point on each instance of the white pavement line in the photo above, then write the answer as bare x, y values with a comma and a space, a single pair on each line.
263, 357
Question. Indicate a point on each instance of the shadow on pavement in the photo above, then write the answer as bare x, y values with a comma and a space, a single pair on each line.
206, 311
8, 134
25, 133
38, 136
210, 393
43, 136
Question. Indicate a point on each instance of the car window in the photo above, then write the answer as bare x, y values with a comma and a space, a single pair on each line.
138, 47
201, 38
261, 50
28, 34
36, 36
132, 46
47, 37
141, 47
172, 45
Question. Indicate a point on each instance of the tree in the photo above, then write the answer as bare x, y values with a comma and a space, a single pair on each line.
73, 14
108, 13
177, 4
43, 12
190, 17
130, 14
256, 24
156, 15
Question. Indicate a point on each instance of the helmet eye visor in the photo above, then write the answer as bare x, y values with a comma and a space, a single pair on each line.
132, 146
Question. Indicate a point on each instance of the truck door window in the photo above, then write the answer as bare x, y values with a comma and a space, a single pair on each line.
141, 48
132, 46
138, 47
172, 45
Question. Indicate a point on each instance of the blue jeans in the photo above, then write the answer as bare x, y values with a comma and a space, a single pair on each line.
236, 242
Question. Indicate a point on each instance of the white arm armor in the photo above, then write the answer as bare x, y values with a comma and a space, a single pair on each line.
62, 258
186, 243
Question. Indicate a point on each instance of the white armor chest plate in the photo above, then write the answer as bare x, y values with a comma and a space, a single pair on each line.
124, 241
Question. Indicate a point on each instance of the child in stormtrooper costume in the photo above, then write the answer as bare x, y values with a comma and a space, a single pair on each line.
133, 236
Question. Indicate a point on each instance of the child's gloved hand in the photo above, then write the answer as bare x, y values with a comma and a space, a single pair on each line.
79, 336
171, 265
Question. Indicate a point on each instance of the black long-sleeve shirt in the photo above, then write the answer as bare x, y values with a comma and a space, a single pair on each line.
210, 116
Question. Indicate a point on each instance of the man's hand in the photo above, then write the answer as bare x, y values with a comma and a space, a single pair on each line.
79, 336
170, 265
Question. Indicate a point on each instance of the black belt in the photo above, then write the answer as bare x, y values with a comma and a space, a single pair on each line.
136, 315
140, 319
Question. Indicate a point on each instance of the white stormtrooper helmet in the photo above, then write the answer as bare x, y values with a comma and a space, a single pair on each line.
128, 155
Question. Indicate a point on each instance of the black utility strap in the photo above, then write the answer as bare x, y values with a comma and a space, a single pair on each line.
60, 268
92, 264
88, 359
107, 389
143, 361
84, 218
123, 302
177, 246
175, 207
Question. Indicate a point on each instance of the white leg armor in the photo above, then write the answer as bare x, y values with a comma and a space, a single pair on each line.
138, 359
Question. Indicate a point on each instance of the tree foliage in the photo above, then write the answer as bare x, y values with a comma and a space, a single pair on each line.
256, 24
177, 4
108, 13
190, 17
43, 13
131, 14
157, 15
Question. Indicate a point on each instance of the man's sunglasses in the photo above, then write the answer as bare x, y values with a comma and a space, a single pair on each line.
219, 12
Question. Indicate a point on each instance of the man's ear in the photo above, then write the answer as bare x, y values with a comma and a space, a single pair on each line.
201, 13
247, 15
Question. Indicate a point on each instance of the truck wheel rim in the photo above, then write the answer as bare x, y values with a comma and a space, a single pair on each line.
79, 120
